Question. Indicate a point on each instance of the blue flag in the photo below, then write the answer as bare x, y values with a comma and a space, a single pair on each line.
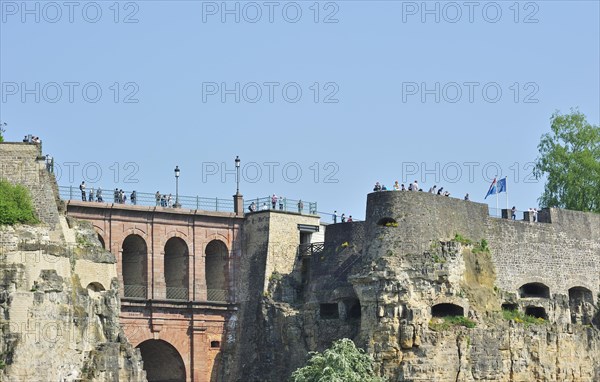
501, 186
492, 189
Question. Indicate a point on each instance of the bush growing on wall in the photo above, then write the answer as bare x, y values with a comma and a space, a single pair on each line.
15, 205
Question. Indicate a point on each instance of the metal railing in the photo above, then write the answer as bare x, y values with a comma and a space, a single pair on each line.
136, 291
146, 199
282, 204
175, 293
217, 295
310, 249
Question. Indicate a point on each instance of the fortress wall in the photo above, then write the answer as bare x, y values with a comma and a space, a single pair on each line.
561, 254
19, 164
526, 252
424, 218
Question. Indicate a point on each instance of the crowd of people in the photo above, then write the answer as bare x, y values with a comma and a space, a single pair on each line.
343, 218
119, 195
31, 139
163, 200
414, 186
281, 203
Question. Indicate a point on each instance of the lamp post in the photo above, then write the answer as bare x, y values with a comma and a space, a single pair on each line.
237, 176
177, 171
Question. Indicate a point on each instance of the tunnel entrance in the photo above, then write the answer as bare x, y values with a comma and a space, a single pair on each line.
534, 290
581, 305
162, 362
536, 311
445, 310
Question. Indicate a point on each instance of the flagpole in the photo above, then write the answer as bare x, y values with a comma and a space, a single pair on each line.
496, 202
506, 190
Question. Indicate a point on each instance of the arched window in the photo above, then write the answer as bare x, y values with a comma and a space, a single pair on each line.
216, 270
134, 266
176, 269
534, 290
162, 362
444, 310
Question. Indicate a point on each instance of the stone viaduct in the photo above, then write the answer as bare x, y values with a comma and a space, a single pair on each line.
178, 271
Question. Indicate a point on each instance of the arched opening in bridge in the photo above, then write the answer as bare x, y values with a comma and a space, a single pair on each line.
536, 311
387, 222
444, 310
176, 268
581, 304
215, 344
162, 362
133, 266
101, 240
534, 290
216, 270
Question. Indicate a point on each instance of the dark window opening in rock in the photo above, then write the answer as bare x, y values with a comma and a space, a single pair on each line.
216, 271
387, 222
176, 269
101, 240
536, 311
162, 362
95, 287
534, 290
444, 310
509, 306
353, 311
215, 344
329, 311
581, 305
134, 266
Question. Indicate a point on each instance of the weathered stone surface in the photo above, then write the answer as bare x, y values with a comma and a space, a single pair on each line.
399, 274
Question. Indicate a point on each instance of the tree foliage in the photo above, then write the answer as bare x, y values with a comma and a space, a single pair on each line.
15, 205
2, 130
342, 362
570, 160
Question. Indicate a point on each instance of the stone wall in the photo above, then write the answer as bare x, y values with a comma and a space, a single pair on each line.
21, 163
269, 266
560, 254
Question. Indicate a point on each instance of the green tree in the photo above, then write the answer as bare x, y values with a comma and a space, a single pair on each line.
15, 205
570, 160
342, 362
2, 130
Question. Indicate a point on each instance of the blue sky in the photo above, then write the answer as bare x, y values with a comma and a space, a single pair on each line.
319, 99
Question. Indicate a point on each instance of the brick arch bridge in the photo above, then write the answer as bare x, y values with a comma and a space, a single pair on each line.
176, 270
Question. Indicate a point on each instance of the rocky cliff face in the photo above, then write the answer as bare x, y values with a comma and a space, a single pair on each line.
59, 310
422, 290
59, 303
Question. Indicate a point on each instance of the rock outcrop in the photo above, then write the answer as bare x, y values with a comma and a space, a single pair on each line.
59, 301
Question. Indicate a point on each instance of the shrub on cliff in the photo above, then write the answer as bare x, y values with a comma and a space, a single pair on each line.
342, 362
15, 205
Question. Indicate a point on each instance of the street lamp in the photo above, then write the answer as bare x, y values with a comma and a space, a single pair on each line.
237, 176
177, 171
